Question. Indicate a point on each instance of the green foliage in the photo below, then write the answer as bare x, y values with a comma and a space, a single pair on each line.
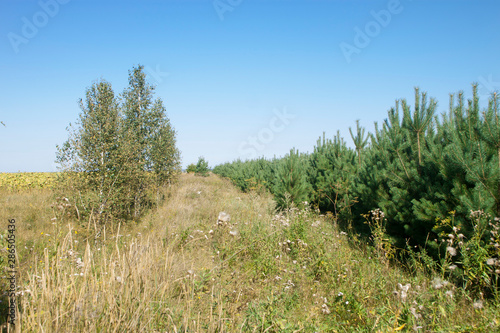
202, 168
250, 175
118, 153
291, 186
333, 167
415, 168
191, 168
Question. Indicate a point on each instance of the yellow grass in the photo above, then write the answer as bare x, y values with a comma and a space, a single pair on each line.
178, 270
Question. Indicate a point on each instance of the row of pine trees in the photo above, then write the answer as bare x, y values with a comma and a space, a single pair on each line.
418, 167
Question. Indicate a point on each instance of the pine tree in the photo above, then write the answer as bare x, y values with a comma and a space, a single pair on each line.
475, 148
418, 124
359, 140
333, 167
202, 167
291, 186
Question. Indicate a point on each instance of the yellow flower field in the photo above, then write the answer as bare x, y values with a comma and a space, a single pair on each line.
27, 180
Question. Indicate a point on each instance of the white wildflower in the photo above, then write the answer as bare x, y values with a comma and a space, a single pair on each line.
316, 224
79, 263
415, 313
403, 294
451, 250
438, 283
477, 304
492, 261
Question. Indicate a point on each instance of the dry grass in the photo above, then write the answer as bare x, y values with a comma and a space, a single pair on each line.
178, 270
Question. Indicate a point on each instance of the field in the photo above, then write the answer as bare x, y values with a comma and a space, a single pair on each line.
184, 267
27, 180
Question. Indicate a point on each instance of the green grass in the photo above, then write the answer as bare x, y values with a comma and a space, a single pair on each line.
178, 270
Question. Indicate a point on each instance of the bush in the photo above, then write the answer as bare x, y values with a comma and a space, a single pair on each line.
202, 167
191, 168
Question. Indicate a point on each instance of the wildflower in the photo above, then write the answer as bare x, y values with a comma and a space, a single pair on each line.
452, 267
449, 293
118, 279
415, 313
325, 309
437, 283
233, 232
340, 294
451, 250
79, 263
492, 261
477, 305
403, 294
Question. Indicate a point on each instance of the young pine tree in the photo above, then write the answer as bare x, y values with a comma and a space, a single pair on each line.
291, 185
202, 167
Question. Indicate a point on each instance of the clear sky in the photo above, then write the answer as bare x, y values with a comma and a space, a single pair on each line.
239, 78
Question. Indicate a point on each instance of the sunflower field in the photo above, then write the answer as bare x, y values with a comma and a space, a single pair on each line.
27, 180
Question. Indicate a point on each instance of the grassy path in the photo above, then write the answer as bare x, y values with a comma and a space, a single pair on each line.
179, 270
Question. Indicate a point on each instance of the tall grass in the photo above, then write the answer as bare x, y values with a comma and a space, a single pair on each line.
181, 270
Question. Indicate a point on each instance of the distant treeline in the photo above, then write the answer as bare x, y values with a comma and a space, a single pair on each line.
426, 172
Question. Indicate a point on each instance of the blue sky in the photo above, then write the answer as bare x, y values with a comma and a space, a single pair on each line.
239, 78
